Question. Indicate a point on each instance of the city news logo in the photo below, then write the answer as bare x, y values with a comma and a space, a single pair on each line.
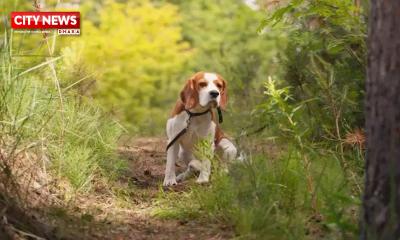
66, 23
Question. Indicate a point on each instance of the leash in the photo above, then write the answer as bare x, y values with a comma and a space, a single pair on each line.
220, 119
192, 114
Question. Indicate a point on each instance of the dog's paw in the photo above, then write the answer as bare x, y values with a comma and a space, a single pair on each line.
169, 182
186, 174
202, 180
182, 177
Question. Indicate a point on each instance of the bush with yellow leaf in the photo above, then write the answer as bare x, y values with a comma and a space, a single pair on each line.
134, 52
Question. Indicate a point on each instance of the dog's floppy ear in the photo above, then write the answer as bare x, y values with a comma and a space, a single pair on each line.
189, 94
224, 95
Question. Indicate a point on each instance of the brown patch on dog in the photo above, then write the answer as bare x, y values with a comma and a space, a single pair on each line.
190, 92
189, 96
222, 86
179, 107
218, 135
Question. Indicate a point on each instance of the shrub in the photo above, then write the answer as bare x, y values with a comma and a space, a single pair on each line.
325, 61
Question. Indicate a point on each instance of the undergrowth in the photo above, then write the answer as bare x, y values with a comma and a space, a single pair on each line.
268, 199
73, 139
303, 192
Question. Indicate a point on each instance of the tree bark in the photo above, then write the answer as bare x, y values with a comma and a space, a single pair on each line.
381, 203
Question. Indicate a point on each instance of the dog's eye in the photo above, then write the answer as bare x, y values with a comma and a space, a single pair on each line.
203, 84
219, 85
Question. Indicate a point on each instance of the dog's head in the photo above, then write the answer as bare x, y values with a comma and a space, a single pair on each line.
206, 90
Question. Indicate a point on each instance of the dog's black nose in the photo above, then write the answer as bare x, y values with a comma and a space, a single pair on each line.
214, 93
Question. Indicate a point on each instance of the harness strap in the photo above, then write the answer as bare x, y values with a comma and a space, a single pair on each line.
176, 137
220, 119
191, 114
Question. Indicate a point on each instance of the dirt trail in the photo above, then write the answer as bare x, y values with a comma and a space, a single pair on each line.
146, 158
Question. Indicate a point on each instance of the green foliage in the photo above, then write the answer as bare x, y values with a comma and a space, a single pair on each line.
133, 56
324, 70
325, 61
281, 116
324, 66
135, 52
88, 143
326, 167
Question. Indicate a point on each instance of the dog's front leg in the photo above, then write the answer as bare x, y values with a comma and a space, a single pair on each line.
205, 171
172, 155
204, 166
185, 156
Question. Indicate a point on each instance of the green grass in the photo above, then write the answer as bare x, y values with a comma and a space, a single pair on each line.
73, 136
265, 198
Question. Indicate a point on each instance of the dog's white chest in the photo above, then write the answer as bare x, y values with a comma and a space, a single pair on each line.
198, 129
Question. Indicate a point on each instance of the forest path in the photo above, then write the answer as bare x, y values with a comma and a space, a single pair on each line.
146, 158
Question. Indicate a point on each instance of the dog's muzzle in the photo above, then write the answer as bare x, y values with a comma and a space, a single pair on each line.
214, 94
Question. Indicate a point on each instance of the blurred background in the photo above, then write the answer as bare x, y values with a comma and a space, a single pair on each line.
133, 57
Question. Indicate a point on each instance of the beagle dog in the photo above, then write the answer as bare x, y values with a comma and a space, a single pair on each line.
193, 119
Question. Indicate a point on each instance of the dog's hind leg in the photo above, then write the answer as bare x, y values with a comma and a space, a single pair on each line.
227, 150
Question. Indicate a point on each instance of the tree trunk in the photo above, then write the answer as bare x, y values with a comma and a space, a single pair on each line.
381, 205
